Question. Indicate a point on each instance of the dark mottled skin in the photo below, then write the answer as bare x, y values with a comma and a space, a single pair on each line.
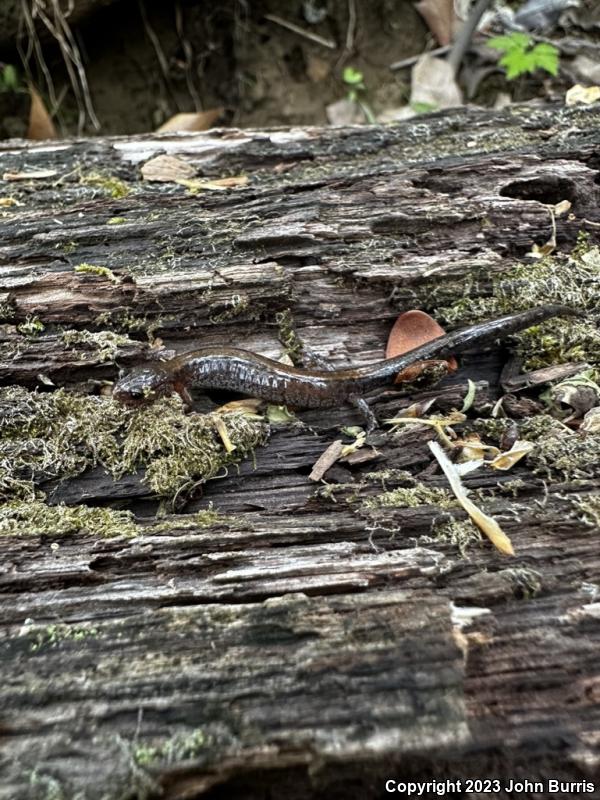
257, 376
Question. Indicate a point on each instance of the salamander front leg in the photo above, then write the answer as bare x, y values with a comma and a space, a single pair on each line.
365, 410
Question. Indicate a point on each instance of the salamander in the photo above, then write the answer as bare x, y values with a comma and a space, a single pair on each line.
257, 376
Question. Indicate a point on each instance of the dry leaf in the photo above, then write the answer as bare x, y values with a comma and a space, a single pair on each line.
591, 421
223, 433
218, 185
505, 461
280, 415
167, 169
40, 123
248, 406
412, 329
7, 202
486, 524
196, 121
28, 176
582, 94
562, 207
433, 84
440, 18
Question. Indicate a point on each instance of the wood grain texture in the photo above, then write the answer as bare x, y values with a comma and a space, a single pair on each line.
305, 645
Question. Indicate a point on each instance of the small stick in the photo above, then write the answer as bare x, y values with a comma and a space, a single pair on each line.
351, 29
314, 37
462, 41
408, 62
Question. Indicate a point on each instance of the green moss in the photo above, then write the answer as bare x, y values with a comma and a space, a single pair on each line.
572, 280
106, 343
236, 305
51, 635
390, 475
34, 518
7, 308
526, 583
587, 509
116, 221
412, 497
458, 533
69, 248
111, 186
178, 748
93, 269
32, 327
60, 435
288, 336
560, 453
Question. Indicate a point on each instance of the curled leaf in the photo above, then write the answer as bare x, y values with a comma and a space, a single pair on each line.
519, 450
486, 524
412, 329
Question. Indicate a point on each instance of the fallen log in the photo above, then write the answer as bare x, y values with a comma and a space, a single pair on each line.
270, 634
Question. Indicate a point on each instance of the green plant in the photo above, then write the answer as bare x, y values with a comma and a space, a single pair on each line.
521, 55
9, 78
354, 80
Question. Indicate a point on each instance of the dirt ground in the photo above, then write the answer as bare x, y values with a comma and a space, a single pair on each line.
146, 60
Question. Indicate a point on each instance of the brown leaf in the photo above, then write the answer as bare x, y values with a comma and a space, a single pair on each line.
440, 17
40, 123
412, 329
167, 169
433, 84
196, 121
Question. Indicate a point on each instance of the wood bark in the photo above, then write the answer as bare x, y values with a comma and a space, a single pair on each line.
301, 646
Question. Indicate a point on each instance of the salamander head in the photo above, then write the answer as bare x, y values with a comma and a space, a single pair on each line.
143, 385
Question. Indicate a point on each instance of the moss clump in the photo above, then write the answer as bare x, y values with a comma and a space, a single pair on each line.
460, 533
288, 336
58, 435
236, 305
94, 269
32, 327
177, 748
106, 343
34, 518
111, 186
587, 509
560, 453
7, 308
570, 280
54, 435
526, 583
116, 221
51, 635
412, 497
181, 451
557, 341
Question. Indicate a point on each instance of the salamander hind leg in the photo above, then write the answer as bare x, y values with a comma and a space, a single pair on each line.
364, 409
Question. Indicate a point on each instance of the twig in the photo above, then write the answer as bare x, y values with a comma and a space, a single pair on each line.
408, 62
300, 31
351, 29
162, 59
188, 54
462, 41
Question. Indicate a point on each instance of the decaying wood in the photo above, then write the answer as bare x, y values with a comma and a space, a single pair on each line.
303, 645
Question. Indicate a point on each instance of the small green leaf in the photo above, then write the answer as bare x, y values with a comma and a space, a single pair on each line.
352, 76
516, 41
546, 57
9, 77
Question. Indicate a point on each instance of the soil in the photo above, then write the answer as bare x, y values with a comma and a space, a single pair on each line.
146, 61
